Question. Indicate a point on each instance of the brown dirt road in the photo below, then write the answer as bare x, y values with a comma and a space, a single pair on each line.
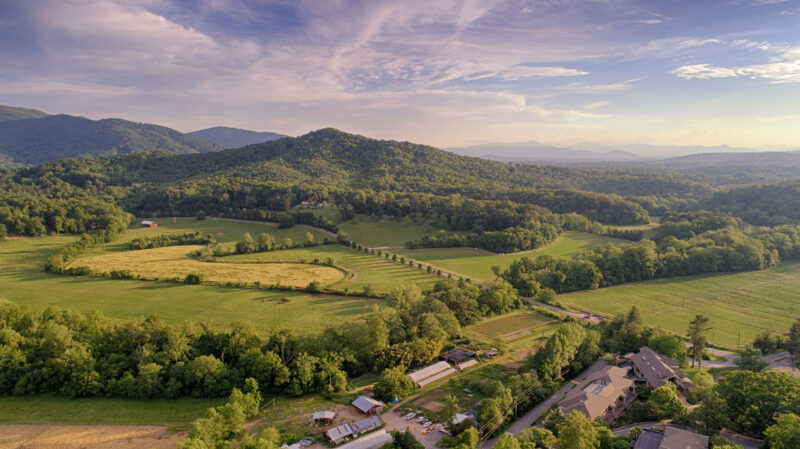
88, 437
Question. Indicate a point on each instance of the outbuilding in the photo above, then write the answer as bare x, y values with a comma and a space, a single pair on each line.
325, 417
368, 405
149, 224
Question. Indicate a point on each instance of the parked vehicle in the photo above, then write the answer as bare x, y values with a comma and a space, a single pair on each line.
410, 416
426, 424
419, 419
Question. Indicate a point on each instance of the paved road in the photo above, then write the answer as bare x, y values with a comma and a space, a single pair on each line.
525, 421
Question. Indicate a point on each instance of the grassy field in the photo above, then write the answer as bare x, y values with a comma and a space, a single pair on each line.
102, 411
476, 264
24, 282
512, 326
386, 232
748, 302
363, 269
174, 261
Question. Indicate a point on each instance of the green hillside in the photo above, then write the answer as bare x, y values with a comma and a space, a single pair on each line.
30, 138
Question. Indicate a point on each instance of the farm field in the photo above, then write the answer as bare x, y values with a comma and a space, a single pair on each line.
750, 302
174, 261
476, 263
364, 269
512, 326
25, 282
102, 411
386, 232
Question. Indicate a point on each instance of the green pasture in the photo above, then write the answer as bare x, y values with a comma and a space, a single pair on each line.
25, 282
382, 275
385, 232
102, 411
748, 303
477, 264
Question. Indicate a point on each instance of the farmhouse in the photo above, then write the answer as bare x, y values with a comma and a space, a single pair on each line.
367, 405
149, 224
325, 417
431, 373
672, 438
656, 370
605, 395
371, 441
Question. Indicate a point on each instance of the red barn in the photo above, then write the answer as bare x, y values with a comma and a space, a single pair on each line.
149, 224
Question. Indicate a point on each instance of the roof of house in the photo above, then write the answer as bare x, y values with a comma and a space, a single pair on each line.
366, 403
366, 424
649, 439
658, 369
372, 441
683, 439
339, 432
147, 222
594, 395
428, 371
324, 415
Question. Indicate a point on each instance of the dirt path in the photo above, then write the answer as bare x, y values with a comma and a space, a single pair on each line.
89, 437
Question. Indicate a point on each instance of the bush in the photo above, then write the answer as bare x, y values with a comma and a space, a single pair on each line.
194, 279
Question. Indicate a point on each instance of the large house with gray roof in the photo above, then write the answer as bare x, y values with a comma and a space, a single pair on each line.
656, 369
606, 394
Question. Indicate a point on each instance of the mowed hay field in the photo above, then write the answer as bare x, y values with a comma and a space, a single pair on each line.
174, 261
512, 326
24, 282
364, 269
749, 302
477, 264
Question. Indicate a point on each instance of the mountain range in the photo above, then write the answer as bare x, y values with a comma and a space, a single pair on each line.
234, 137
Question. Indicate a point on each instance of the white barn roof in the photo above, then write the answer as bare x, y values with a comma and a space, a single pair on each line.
324, 415
436, 377
428, 371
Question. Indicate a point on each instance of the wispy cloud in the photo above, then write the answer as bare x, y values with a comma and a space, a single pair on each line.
599, 88
783, 65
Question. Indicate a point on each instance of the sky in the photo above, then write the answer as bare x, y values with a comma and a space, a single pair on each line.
441, 72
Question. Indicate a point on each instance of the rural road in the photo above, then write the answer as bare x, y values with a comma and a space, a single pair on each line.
580, 316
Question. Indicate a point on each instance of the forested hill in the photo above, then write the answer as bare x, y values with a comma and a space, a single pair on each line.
333, 158
36, 140
234, 137
15, 113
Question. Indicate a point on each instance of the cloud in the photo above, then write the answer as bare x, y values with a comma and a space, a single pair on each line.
650, 21
596, 105
784, 65
599, 88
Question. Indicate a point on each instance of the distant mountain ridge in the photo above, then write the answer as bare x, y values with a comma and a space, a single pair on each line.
234, 137
28, 136
537, 152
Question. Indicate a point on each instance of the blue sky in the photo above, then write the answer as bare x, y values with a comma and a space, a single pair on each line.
443, 72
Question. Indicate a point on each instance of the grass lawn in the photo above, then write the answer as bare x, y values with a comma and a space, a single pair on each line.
364, 269
476, 263
24, 282
174, 261
386, 232
749, 302
102, 411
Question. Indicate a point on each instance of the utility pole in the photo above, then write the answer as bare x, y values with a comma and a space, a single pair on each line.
739, 340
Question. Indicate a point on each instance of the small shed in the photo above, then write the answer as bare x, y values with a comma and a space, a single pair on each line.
325, 417
466, 364
367, 405
149, 224
457, 355
365, 425
339, 434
